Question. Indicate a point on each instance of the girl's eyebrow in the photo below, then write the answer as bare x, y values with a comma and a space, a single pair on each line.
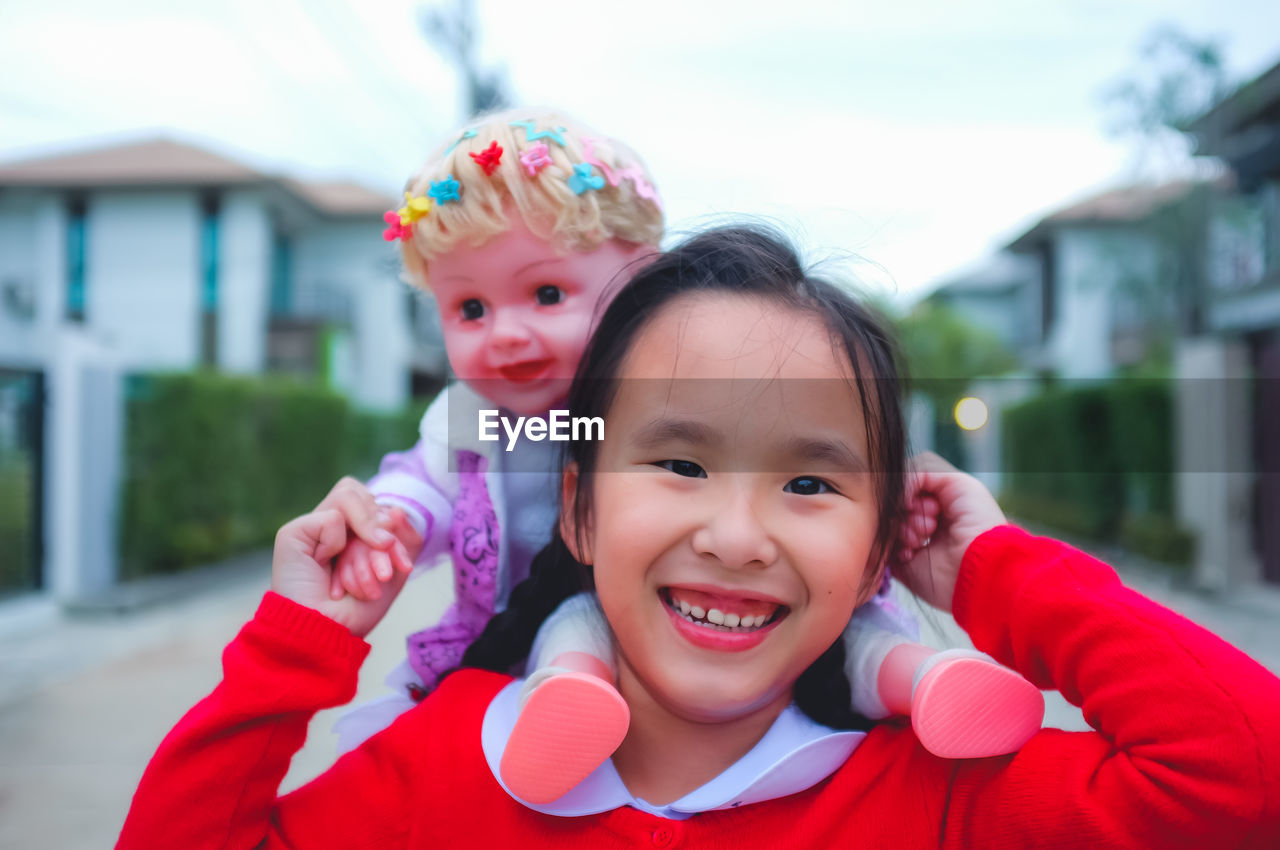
834, 452
666, 430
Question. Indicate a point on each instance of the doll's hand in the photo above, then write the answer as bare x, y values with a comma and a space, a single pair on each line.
361, 569
301, 565
935, 546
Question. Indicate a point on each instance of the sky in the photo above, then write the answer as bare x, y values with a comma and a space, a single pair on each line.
898, 142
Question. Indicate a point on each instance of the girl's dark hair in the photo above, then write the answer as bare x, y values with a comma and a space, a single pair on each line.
737, 260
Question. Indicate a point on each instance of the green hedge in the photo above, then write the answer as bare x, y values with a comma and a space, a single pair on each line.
16, 515
215, 464
1097, 461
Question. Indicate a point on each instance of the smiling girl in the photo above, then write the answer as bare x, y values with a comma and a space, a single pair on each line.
753, 461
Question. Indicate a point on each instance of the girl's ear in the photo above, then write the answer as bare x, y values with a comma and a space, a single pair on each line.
575, 540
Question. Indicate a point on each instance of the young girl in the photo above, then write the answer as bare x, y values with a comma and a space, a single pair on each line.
517, 226
752, 458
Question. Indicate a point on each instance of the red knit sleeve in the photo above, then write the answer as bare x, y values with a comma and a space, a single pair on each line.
1186, 751
213, 781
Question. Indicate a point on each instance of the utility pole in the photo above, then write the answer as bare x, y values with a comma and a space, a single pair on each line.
454, 32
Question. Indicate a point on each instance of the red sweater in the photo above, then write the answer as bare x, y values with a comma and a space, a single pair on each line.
1186, 752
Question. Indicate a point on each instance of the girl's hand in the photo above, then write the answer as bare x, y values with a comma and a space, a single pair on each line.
946, 511
301, 566
361, 569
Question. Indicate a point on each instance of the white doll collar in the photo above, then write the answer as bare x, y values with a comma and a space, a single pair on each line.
796, 753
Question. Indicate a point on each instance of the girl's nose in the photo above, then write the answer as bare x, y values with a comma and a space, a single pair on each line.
734, 535
509, 332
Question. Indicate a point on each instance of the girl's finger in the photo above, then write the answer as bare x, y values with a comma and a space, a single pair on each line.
335, 578
357, 504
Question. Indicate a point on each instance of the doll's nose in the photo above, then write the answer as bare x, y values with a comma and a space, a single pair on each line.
733, 533
508, 332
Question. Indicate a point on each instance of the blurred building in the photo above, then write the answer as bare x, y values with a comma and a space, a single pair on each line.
161, 256
172, 257
1242, 280
1000, 295
1185, 273
1102, 283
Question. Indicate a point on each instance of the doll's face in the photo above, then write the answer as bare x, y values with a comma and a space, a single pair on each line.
517, 314
734, 475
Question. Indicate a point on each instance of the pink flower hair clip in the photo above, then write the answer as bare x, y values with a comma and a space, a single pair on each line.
536, 158
400, 222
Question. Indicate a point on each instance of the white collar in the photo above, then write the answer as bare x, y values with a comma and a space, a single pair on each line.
796, 753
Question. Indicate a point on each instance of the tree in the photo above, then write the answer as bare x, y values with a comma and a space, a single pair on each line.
1177, 79
945, 353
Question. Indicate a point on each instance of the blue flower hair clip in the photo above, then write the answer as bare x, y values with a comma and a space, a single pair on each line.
531, 136
583, 179
468, 134
444, 191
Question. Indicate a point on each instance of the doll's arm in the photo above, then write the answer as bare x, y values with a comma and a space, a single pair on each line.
1186, 750
405, 481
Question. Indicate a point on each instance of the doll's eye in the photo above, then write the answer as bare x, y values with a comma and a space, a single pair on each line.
806, 486
471, 309
683, 468
548, 295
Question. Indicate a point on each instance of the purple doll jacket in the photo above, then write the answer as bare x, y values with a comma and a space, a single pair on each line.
445, 486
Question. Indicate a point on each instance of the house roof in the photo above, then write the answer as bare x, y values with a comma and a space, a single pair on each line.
1124, 205
1244, 129
1255, 102
163, 162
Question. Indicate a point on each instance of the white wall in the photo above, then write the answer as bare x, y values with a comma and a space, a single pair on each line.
32, 255
244, 277
142, 276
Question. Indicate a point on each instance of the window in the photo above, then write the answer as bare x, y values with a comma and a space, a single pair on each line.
209, 239
281, 271
76, 238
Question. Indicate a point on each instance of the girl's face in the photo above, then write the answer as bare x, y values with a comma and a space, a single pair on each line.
734, 486
517, 315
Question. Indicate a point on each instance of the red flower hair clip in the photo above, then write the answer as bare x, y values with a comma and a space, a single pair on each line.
489, 158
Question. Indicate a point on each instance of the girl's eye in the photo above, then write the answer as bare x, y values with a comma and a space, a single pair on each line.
471, 309
548, 295
806, 486
684, 468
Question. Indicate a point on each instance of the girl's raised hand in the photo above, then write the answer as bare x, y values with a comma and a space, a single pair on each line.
946, 511
302, 562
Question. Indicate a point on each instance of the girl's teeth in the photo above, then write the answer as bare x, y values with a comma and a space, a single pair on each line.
717, 619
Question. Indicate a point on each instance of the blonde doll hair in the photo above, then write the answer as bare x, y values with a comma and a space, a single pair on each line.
549, 207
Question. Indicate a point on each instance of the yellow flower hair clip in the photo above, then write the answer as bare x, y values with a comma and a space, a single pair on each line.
413, 209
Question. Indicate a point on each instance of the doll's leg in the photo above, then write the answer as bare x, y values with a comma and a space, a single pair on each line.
962, 703
572, 718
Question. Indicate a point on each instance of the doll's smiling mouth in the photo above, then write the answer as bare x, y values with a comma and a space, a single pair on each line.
720, 613
526, 371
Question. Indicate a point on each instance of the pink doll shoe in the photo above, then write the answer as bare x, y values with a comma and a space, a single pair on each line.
568, 726
964, 705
